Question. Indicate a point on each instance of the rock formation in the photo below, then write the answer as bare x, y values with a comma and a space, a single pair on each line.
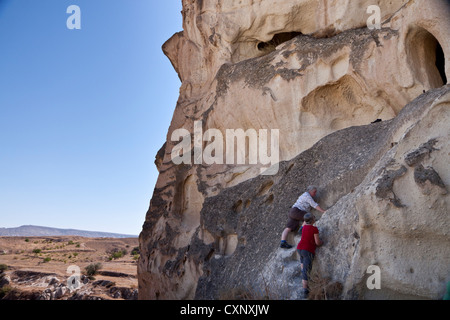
314, 71
33, 285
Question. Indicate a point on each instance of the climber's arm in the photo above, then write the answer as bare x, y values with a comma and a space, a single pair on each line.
320, 209
317, 240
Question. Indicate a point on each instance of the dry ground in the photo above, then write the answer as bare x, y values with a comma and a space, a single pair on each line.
53, 255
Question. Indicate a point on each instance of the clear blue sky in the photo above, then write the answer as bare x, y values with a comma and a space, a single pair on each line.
83, 112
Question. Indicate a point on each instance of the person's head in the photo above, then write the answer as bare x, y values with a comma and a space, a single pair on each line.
309, 218
312, 190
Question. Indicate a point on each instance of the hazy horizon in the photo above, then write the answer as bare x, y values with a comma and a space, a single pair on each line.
63, 231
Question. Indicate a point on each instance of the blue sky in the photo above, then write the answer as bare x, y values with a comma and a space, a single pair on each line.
83, 112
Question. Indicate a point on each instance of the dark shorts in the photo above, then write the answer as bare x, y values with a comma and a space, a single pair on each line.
295, 219
306, 258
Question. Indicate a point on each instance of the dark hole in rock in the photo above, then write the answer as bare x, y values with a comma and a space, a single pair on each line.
277, 39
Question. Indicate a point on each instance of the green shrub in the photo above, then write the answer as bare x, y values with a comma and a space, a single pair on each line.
117, 253
4, 291
92, 269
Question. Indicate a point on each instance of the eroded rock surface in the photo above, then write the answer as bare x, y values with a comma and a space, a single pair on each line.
315, 72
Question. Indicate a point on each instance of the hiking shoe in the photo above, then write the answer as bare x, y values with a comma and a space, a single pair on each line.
285, 245
304, 293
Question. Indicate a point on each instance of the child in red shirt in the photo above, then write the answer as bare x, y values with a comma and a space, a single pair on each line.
306, 248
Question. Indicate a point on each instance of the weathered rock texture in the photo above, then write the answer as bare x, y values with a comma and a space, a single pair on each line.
314, 71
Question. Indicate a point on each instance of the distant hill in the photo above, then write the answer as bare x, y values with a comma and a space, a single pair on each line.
38, 231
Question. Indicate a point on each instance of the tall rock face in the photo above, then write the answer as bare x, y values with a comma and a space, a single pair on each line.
318, 76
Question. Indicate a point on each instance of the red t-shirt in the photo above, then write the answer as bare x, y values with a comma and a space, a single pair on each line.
307, 241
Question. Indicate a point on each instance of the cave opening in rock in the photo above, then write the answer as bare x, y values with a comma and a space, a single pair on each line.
440, 62
277, 39
426, 58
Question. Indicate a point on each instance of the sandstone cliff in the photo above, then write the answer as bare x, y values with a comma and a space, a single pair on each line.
315, 72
